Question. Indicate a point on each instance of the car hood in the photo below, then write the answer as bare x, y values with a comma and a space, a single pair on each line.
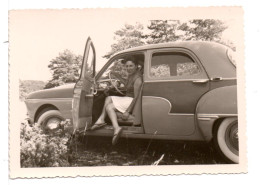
63, 91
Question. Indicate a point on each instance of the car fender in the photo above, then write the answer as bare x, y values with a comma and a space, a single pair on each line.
213, 107
59, 98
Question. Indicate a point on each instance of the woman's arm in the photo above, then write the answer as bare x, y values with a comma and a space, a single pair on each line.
124, 81
137, 88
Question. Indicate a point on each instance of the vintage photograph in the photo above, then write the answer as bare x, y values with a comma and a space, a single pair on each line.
103, 89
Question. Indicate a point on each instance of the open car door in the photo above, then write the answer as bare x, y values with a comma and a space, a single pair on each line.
84, 90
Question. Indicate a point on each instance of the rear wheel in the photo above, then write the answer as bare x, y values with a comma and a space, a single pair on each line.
50, 120
226, 139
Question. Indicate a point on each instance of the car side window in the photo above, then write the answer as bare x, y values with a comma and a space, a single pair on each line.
169, 64
90, 62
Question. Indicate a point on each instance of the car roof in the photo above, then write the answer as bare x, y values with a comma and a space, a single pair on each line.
212, 55
185, 44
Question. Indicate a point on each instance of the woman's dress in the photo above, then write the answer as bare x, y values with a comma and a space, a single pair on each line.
122, 103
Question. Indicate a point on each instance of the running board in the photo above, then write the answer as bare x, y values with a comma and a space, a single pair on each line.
109, 131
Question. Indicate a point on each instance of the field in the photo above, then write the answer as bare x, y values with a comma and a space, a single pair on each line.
95, 151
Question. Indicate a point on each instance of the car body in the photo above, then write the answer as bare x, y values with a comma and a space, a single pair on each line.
189, 92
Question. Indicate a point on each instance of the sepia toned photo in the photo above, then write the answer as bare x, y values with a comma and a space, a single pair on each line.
134, 91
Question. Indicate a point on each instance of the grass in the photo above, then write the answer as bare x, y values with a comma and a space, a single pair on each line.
98, 151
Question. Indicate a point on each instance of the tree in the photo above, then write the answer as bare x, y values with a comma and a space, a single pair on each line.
64, 68
163, 31
203, 29
127, 37
160, 31
28, 86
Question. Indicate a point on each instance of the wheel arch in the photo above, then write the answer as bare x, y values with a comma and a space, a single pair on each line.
42, 109
215, 125
213, 107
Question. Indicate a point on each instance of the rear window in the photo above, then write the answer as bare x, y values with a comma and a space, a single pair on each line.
168, 64
232, 55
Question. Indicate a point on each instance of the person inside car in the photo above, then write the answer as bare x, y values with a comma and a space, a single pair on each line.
123, 104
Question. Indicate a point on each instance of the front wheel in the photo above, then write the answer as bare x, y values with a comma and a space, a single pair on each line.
50, 120
226, 139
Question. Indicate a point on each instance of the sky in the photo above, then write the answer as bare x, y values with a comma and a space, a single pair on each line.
38, 36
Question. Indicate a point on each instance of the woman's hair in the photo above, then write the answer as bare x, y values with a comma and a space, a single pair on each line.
132, 59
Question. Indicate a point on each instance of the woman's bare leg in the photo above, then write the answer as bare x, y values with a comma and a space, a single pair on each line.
110, 108
102, 117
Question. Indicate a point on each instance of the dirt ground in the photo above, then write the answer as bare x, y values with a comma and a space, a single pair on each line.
98, 151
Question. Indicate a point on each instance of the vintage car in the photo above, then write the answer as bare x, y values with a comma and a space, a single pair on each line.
189, 92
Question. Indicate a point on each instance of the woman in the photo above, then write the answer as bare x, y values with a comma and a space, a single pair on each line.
124, 104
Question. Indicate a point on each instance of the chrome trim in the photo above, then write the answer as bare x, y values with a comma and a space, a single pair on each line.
212, 116
204, 119
45, 99
182, 80
229, 78
207, 116
174, 80
172, 114
200, 81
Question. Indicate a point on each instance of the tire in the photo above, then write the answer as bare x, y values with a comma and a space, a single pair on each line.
50, 120
226, 139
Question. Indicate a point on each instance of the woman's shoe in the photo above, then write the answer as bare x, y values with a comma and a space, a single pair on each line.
116, 136
97, 126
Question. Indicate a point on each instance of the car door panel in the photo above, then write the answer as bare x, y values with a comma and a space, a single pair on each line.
169, 102
183, 95
159, 120
83, 90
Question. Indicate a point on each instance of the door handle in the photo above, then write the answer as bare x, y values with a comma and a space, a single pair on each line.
200, 81
215, 79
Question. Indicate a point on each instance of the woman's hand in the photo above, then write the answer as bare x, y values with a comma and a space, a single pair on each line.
114, 74
125, 115
117, 76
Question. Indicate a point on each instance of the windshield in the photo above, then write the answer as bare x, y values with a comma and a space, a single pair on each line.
232, 56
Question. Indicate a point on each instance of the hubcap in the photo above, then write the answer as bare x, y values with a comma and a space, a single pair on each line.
231, 137
53, 123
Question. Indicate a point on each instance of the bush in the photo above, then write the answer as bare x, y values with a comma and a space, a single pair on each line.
39, 149
28, 86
